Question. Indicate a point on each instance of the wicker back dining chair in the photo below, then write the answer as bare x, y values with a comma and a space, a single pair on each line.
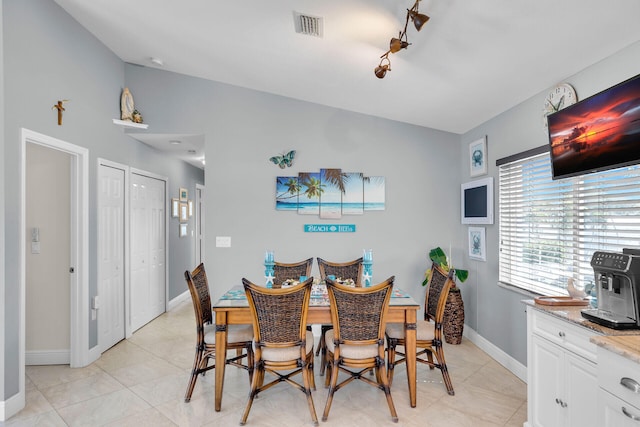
345, 270
355, 345
239, 337
429, 330
282, 342
284, 271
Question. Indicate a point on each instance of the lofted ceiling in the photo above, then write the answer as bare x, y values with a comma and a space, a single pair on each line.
473, 60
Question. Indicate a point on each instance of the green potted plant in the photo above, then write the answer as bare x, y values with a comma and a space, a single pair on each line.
453, 322
439, 258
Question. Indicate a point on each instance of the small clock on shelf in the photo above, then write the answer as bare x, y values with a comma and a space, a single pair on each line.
560, 96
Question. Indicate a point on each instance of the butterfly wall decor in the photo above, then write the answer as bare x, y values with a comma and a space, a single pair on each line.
285, 160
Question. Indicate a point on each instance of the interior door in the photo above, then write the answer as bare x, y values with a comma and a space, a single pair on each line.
111, 268
148, 269
48, 256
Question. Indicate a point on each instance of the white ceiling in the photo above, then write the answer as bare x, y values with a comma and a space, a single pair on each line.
473, 60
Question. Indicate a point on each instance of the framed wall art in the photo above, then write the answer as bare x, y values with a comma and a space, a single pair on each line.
477, 243
184, 212
478, 157
183, 230
184, 194
175, 208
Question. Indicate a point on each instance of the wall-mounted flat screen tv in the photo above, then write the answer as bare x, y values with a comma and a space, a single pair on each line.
598, 133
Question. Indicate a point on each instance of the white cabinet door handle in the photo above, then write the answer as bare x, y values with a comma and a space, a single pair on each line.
630, 383
633, 417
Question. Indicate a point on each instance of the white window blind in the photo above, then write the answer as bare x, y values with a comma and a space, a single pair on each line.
550, 229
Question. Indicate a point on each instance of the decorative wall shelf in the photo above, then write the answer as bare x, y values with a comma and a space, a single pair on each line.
128, 124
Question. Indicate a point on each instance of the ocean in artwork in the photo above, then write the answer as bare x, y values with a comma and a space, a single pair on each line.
347, 208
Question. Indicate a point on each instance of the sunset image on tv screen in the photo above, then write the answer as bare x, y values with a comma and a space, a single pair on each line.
598, 133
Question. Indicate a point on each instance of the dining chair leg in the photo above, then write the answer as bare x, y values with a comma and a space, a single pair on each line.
250, 361
391, 357
307, 381
194, 374
310, 370
332, 388
328, 363
430, 359
255, 384
445, 371
386, 387
322, 348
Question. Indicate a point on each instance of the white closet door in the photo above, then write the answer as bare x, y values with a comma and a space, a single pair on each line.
157, 268
147, 249
111, 314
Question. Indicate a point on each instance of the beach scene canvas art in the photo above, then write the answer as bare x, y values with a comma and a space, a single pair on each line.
330, 193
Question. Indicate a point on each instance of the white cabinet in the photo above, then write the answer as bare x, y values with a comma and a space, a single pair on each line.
562, 381
619, 393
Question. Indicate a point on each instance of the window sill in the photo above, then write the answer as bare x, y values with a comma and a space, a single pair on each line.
527, 293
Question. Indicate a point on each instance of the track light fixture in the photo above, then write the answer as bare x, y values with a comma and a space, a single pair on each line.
399, 43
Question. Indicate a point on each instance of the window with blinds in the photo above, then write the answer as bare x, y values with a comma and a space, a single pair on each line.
550, 229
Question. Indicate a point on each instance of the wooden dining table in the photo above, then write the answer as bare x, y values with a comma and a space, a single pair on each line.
233, 309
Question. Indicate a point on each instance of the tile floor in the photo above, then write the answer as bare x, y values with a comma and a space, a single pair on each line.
141, 382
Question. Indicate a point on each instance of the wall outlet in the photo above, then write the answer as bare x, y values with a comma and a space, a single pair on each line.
223, 242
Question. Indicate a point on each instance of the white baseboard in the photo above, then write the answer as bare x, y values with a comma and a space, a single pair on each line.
47, 357
179, 299
517, 368
12, 406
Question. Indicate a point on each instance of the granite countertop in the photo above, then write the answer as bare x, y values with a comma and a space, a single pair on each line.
623, 342
627, 346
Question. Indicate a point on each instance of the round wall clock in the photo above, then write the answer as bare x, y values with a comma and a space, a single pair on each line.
560, 96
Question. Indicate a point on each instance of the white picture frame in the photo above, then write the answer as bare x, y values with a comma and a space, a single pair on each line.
476, 201
478, 157
184, 212
183, 230
477, 243
175, 203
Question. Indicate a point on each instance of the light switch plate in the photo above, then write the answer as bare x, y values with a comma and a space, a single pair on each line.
223, 242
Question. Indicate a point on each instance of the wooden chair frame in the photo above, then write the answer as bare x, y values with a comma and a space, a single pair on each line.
280, 323
359, 319
199, 290
435, 300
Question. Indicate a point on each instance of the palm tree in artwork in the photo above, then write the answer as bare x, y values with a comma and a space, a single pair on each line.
314, 187
293, 188
335, 178
332, 177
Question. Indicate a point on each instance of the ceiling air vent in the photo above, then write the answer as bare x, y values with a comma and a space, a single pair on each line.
306, 24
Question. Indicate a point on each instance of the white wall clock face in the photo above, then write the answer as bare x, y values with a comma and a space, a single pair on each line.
562, 95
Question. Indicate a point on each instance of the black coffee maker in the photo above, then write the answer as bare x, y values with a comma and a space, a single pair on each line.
617, 288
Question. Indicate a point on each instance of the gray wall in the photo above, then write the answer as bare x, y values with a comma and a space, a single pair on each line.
243, 128
48, 56
495, 312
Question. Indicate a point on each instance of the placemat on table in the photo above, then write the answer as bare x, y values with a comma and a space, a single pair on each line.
235, 294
